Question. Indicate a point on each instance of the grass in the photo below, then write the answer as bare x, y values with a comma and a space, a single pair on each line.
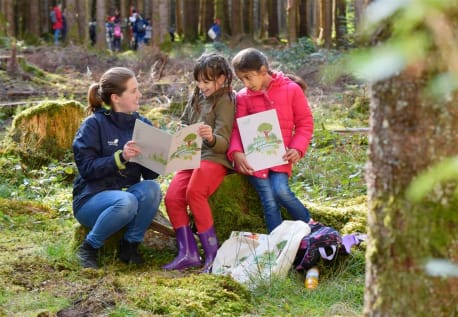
39, 272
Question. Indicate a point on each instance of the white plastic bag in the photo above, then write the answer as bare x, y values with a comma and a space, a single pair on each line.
211, 33
250, 257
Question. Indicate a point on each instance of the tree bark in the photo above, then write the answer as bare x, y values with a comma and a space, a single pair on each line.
34, 19
9, 15
292, 22
179, 17
273, 18
72, 25
191, 21
407, 134
222, 13
208, 15
302, 30
236, 18
83, 21
326, 22
340, 22
248, 17
101, 31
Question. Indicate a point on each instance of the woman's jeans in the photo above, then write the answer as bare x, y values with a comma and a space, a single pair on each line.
274, 192
109, 211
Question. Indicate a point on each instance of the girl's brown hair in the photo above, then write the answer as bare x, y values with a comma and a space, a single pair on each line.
113, 81
251, 59
210, 67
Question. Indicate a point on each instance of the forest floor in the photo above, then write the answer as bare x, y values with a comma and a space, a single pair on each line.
39, 273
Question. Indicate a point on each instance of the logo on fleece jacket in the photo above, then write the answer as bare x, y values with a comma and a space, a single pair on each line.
113, 143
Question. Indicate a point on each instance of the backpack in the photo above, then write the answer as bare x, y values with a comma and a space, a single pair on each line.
52, 16
322, 242
117, 30
140, 25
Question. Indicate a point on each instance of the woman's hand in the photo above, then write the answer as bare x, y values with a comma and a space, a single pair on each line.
205, 132
292, 156
242, 164
130, 150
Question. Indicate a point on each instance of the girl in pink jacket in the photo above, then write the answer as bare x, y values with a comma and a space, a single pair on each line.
265, 90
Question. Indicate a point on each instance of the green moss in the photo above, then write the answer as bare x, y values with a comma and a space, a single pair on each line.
44, 132
194, 295
404, 237
236, 207
348, 218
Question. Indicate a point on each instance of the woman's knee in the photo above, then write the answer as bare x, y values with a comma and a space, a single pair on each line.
126, 204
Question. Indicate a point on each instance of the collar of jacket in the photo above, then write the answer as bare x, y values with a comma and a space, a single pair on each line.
120, 119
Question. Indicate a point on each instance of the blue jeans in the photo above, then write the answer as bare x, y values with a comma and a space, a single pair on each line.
109, 211
57, 33
274, 192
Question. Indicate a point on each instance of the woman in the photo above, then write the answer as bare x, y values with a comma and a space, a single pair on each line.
110, 192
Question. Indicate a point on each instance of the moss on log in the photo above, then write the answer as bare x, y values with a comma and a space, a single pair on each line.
44, 132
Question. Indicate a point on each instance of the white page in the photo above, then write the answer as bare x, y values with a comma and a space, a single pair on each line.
263, 148
159, 148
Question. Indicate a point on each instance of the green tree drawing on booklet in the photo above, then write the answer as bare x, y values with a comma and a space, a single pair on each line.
186, 150
267, 143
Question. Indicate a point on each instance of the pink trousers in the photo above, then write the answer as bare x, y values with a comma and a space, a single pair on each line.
193, 188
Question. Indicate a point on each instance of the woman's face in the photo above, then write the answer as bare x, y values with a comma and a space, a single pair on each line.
128, 101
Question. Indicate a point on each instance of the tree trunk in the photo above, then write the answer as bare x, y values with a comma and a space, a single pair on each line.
326, 22
313, 23
191, 21
164, 22
263, 18
82, 21
179, 17
292, 25
302, 30
360, 7
248, 18
34, 19
71, 16
101, 30
273, 18
340, 21
236, 18
408, 133
9, 15
222, 13
208, 15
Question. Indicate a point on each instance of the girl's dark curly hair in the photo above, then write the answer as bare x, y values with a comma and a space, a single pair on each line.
209, 67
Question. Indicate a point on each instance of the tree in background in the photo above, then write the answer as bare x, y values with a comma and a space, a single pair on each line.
413, 124
340, 22
190, 21
101, 13
292, 21
236, 19
272, 12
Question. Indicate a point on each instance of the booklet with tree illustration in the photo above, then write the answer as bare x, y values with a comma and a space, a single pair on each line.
164, 153
262, 140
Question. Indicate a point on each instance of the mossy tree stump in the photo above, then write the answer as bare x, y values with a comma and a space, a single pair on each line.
236, 207
45, 131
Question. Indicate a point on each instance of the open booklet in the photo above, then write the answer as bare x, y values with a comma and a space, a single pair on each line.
262, 140
164, 153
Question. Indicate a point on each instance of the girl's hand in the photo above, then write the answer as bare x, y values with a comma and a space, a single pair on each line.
292, 156
130, 150
205, 132
242, 164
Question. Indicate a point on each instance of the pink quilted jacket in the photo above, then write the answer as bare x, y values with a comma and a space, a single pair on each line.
294, 115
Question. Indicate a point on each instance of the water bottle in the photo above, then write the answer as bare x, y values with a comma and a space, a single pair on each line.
311, 278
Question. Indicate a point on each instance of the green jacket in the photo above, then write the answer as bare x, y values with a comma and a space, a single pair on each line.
217, 111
